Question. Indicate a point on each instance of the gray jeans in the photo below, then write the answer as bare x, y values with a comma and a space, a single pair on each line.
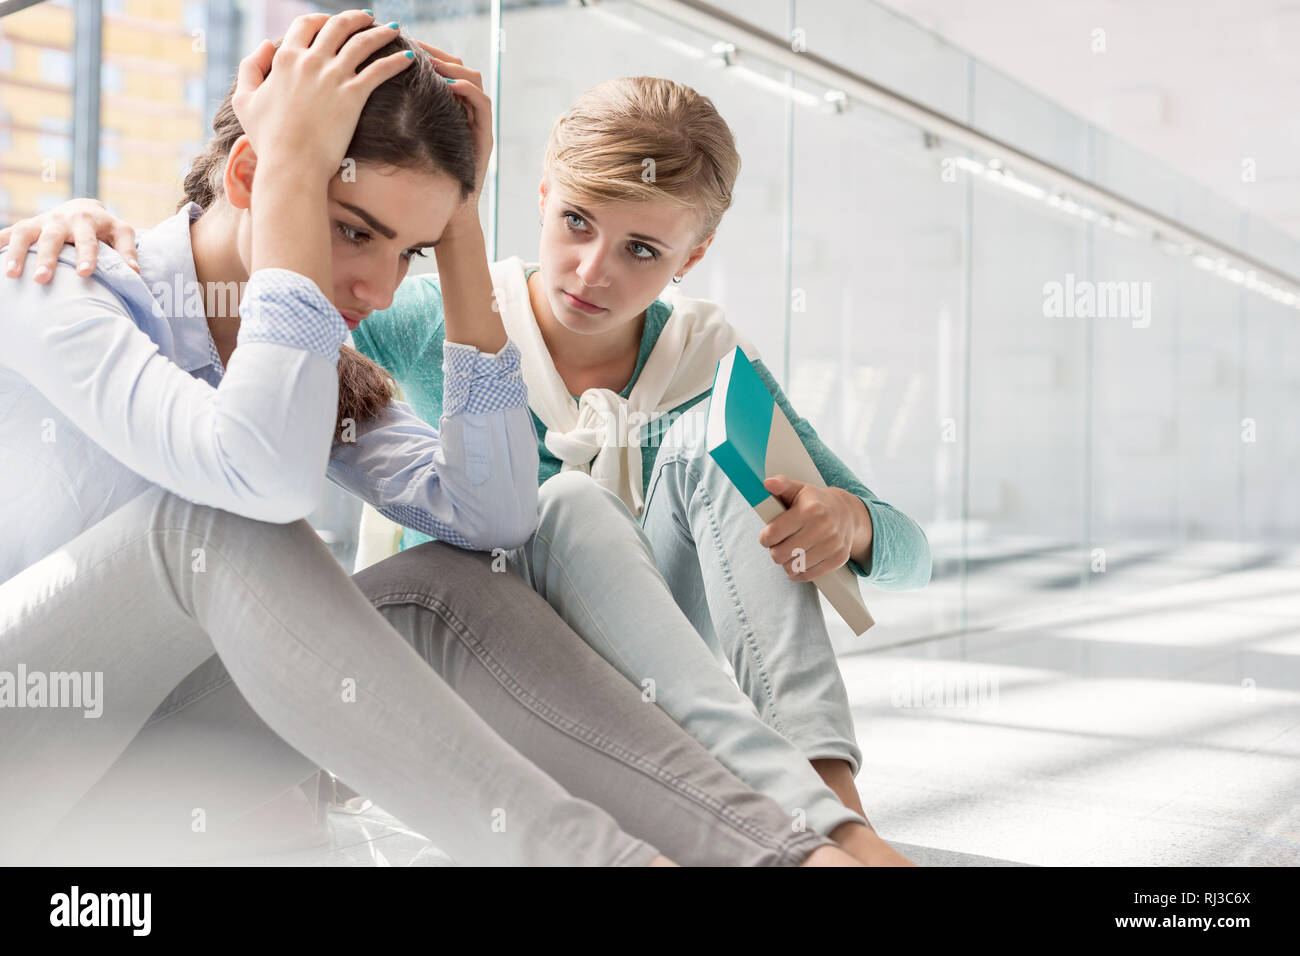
519, 745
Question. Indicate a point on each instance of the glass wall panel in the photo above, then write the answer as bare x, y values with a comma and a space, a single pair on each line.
1028, 407
878, 334
1140, 370
36, 47
885, 47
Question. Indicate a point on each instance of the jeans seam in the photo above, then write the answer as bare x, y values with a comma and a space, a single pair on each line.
656, 478
741, 615
576, 730
193, 698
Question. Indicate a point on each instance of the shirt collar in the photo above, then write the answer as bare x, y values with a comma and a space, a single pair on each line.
167, 266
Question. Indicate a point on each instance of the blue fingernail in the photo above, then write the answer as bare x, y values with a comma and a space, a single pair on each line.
392, 26
410, 54
449, 79
369, 13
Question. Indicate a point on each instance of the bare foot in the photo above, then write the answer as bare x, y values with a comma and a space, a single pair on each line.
838, 775
829, 856
865, 844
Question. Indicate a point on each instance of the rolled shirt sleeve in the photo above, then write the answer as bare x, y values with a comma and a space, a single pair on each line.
281, 307
472, 482
476, 382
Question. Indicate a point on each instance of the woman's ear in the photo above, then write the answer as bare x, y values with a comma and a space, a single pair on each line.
238, 178
696, 254
541, 199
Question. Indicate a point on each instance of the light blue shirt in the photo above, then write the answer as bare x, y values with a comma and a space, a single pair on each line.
111, 384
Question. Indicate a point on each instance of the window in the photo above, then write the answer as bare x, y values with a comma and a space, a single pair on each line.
56, 66
112, 78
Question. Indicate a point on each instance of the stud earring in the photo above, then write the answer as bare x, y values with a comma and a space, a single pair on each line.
677, 278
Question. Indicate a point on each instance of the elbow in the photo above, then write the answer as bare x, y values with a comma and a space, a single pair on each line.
510, 528
277, 475
925, 564
517, 521
525, 516
523, 527
507, 526
911, 575
500, 538
284, 496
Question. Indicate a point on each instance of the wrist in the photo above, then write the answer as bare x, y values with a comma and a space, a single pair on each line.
288, 165
862, 530
290, 223
462, 242
464, 223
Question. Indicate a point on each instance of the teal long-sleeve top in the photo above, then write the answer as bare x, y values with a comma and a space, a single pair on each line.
406, 339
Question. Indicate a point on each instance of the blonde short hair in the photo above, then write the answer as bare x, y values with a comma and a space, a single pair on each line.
641, 138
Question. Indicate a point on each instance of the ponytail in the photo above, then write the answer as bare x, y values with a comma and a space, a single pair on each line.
365, 389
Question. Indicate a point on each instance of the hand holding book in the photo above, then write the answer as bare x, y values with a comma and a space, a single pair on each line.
822, 529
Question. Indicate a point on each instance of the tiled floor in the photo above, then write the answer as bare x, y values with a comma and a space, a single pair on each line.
1160, 726
1153, 724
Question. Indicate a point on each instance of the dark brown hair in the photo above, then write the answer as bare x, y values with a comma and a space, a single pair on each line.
412, 121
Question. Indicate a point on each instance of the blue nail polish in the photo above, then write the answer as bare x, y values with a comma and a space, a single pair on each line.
369, 13
449, 79
410, 54
392, 26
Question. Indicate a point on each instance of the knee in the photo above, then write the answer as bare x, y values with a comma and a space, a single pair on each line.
432, 568
573, 497
234, 534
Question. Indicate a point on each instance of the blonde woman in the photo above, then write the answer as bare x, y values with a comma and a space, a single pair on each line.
659, 563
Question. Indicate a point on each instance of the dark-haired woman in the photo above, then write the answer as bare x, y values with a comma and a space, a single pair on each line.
159, 455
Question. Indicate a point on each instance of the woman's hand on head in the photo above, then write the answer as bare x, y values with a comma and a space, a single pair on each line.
80, 222
468, 86
299, 103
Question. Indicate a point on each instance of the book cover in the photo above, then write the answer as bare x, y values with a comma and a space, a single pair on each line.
750, 438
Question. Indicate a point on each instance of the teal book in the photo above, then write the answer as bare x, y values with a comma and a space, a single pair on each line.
751, 440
